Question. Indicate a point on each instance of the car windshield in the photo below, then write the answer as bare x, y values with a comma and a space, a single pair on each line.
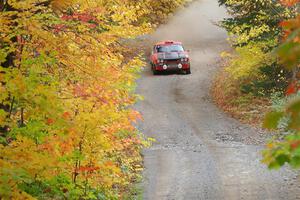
169, 48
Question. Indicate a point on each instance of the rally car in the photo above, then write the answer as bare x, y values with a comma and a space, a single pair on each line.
169, 56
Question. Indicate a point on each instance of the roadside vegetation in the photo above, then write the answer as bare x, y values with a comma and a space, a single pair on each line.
67, 82
252, 73
259, 83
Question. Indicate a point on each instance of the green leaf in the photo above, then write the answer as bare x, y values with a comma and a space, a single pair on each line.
294, 106
274, 165
272, 119
282, 159
295, 161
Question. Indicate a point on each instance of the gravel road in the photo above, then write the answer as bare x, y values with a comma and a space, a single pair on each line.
200, 152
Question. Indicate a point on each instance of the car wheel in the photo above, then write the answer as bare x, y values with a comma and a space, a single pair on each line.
155, 72
188, 71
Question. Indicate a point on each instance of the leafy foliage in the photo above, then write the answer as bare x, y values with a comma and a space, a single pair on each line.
286, 117
254, 32
266, 37
66, 87
254, 20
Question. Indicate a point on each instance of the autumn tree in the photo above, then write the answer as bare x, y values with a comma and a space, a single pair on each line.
66, 89
254, 33
285, 116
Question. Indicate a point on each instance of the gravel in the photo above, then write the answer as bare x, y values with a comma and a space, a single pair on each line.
200, 152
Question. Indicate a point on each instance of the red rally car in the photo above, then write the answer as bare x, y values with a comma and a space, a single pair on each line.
169, 56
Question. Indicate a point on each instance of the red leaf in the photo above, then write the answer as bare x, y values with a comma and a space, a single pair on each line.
289, 2
50, 121
66, 115
292, 89
295, 145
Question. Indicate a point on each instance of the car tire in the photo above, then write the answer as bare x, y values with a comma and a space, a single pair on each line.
188, 71
155, 72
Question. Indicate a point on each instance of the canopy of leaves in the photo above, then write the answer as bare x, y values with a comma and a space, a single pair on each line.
254, 20
66, 87
254, 33
286, 117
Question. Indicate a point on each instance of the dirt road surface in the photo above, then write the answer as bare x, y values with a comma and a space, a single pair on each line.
200, 152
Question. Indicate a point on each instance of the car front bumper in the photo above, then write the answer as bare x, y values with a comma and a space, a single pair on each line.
172, 67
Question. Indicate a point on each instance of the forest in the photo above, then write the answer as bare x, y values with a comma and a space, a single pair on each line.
68, 83
260, 81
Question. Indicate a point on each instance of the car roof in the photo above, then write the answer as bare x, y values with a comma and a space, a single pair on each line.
168, 42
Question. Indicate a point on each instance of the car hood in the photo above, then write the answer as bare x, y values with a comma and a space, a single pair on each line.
172, 55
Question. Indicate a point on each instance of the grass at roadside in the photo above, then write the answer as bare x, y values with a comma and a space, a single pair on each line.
247, 108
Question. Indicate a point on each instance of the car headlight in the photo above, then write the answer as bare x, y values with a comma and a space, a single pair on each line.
160, 60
